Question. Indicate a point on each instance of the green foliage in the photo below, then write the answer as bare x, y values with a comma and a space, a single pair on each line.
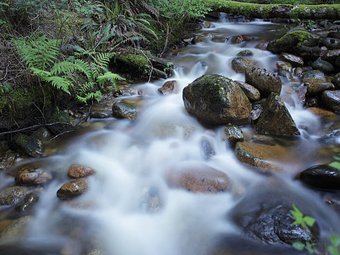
181, 9
336, 163
39, 52
73, 76
334, 247
300, 219
305, 222
112, 24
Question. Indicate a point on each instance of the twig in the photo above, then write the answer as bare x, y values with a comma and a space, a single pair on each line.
166, 40
33, 127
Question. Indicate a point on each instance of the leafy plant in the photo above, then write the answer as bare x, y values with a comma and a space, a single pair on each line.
336, 163
305, 222
334, 247
74, 76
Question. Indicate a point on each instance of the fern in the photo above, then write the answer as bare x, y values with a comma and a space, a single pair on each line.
110, 77
38, 52
102, 60
73, 75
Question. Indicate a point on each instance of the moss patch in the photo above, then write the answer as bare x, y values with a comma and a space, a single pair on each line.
328, 11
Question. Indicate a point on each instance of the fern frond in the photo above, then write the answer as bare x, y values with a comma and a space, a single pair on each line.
60, 83
97, 96
39, 52
102, 60
110, 77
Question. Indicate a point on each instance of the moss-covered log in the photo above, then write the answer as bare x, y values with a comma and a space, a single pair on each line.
324, 11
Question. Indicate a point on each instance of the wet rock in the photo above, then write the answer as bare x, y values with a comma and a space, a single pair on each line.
310, 53
207, 148
198, 178
240, 64
8, 160
321, 176
313, 75
275, 119
334, 34
317, 86
42, 134
274, 224
13, 229
13, 195
257, 110
245, 53
29, 145
331, 43
332, 55
125, 109
62, 122
77, 171
29, 175
100, 114
261, 156
264, 214
240, 38
336, 81
289, 41
284, 68
151, 199
323, 66
324, 114
332, 100
216, 100
233, 134
169, 87
263, 80
72, 189
27, 204
251, 92
262, 45
292, 59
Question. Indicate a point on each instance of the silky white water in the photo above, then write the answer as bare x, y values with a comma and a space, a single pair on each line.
129, 208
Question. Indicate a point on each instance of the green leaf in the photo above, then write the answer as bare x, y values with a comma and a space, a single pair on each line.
309, 221
310, 248
298, 246
335, 165
333, 250
335, 240
337, 158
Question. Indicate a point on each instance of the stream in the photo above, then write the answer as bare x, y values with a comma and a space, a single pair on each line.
131, 209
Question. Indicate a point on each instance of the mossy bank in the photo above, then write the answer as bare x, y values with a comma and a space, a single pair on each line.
323, 11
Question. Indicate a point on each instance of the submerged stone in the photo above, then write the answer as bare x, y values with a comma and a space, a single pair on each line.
77, 171
264, 157
72, 189
169, 87
13, 195
198, 178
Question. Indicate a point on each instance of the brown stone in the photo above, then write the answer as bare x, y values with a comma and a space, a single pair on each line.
262, 156
198, 178
77, 171
169, 87
240, 64
72, 189
28, 175
240, 38
324, 114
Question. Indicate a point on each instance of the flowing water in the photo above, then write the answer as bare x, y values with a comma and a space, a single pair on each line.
129, 208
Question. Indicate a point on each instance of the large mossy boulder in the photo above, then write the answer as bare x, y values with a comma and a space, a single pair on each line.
289, 41
217, 100
275, 119
141, 66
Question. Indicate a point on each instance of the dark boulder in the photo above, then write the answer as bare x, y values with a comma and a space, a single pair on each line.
263, 80
322, 176
331, 98
275, 119
216, 100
